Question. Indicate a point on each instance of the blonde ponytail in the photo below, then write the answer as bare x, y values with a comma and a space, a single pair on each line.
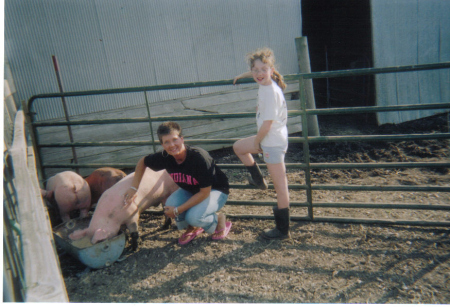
278, 79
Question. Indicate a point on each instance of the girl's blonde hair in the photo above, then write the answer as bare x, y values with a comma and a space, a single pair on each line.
266, 56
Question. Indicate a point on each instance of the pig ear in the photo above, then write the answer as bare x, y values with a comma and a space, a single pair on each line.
99, 235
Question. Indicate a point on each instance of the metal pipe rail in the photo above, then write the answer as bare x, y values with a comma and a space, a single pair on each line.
312, 139
307, 166
328, 74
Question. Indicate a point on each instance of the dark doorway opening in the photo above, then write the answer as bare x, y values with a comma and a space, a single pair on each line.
340, 37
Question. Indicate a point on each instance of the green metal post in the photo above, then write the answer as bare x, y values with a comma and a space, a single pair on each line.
306, 147
150, 121
304, 65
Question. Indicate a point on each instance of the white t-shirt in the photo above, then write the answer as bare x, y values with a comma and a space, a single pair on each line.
272, 106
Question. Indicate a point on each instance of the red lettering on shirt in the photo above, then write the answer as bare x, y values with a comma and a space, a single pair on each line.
183, 178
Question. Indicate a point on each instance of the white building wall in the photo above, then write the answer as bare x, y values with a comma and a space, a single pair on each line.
409, 32
104, 44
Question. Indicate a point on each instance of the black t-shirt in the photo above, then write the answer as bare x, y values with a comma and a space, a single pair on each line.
199, 170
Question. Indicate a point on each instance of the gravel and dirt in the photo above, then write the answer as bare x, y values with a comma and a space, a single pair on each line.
322, 262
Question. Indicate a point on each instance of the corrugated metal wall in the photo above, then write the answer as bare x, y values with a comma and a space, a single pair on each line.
408, 32
128, 43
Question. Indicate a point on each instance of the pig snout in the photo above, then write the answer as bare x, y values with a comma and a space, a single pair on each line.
98, 236
78, 234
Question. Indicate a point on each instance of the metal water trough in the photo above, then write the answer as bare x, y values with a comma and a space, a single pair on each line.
95, 256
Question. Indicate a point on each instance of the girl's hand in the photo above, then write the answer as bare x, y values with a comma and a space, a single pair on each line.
169, 212
247, 74
129, 197
257, 146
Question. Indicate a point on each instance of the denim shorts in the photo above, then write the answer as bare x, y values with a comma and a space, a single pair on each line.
274, 155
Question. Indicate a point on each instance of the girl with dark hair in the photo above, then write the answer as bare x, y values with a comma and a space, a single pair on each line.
203, 187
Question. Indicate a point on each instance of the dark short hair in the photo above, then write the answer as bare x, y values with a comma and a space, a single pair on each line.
167, 128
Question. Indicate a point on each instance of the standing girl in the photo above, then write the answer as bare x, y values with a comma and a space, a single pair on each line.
272, 136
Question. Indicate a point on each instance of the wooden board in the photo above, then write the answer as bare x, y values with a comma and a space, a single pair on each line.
43, 276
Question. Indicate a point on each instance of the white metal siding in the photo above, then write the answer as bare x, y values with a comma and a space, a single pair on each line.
128, 43
408, 32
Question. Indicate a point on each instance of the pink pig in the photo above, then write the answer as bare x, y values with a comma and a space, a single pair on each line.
101, 180
70, 192
111, 211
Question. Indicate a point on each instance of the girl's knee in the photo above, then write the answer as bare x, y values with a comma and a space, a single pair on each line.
172, 201
241, 148
236, 147
178, 198
192, 219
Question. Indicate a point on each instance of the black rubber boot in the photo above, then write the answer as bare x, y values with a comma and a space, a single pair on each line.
281, 230
256, 178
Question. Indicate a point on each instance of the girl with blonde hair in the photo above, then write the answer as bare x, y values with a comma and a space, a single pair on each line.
272, 137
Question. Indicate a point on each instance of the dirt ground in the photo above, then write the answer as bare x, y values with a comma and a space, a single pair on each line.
322, 262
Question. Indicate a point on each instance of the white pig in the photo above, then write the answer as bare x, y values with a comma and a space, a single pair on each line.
111, 211
70, 192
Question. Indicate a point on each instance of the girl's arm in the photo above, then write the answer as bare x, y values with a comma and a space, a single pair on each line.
138, 174
262, 132
191, 202
247, 74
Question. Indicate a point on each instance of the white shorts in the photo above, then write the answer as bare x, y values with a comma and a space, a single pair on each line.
274, 155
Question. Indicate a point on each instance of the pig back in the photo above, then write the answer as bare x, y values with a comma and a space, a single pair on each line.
70, 185
67, 178
154, 189
102, 179
112, 200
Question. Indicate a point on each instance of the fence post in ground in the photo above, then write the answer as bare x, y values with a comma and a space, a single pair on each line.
150, 121
306, 158
66, 112
301, 43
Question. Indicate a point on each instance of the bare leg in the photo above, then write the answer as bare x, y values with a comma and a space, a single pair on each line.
278, 174
221, 220
191, 229
244, 149
281, 212
221, 229
190, 233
